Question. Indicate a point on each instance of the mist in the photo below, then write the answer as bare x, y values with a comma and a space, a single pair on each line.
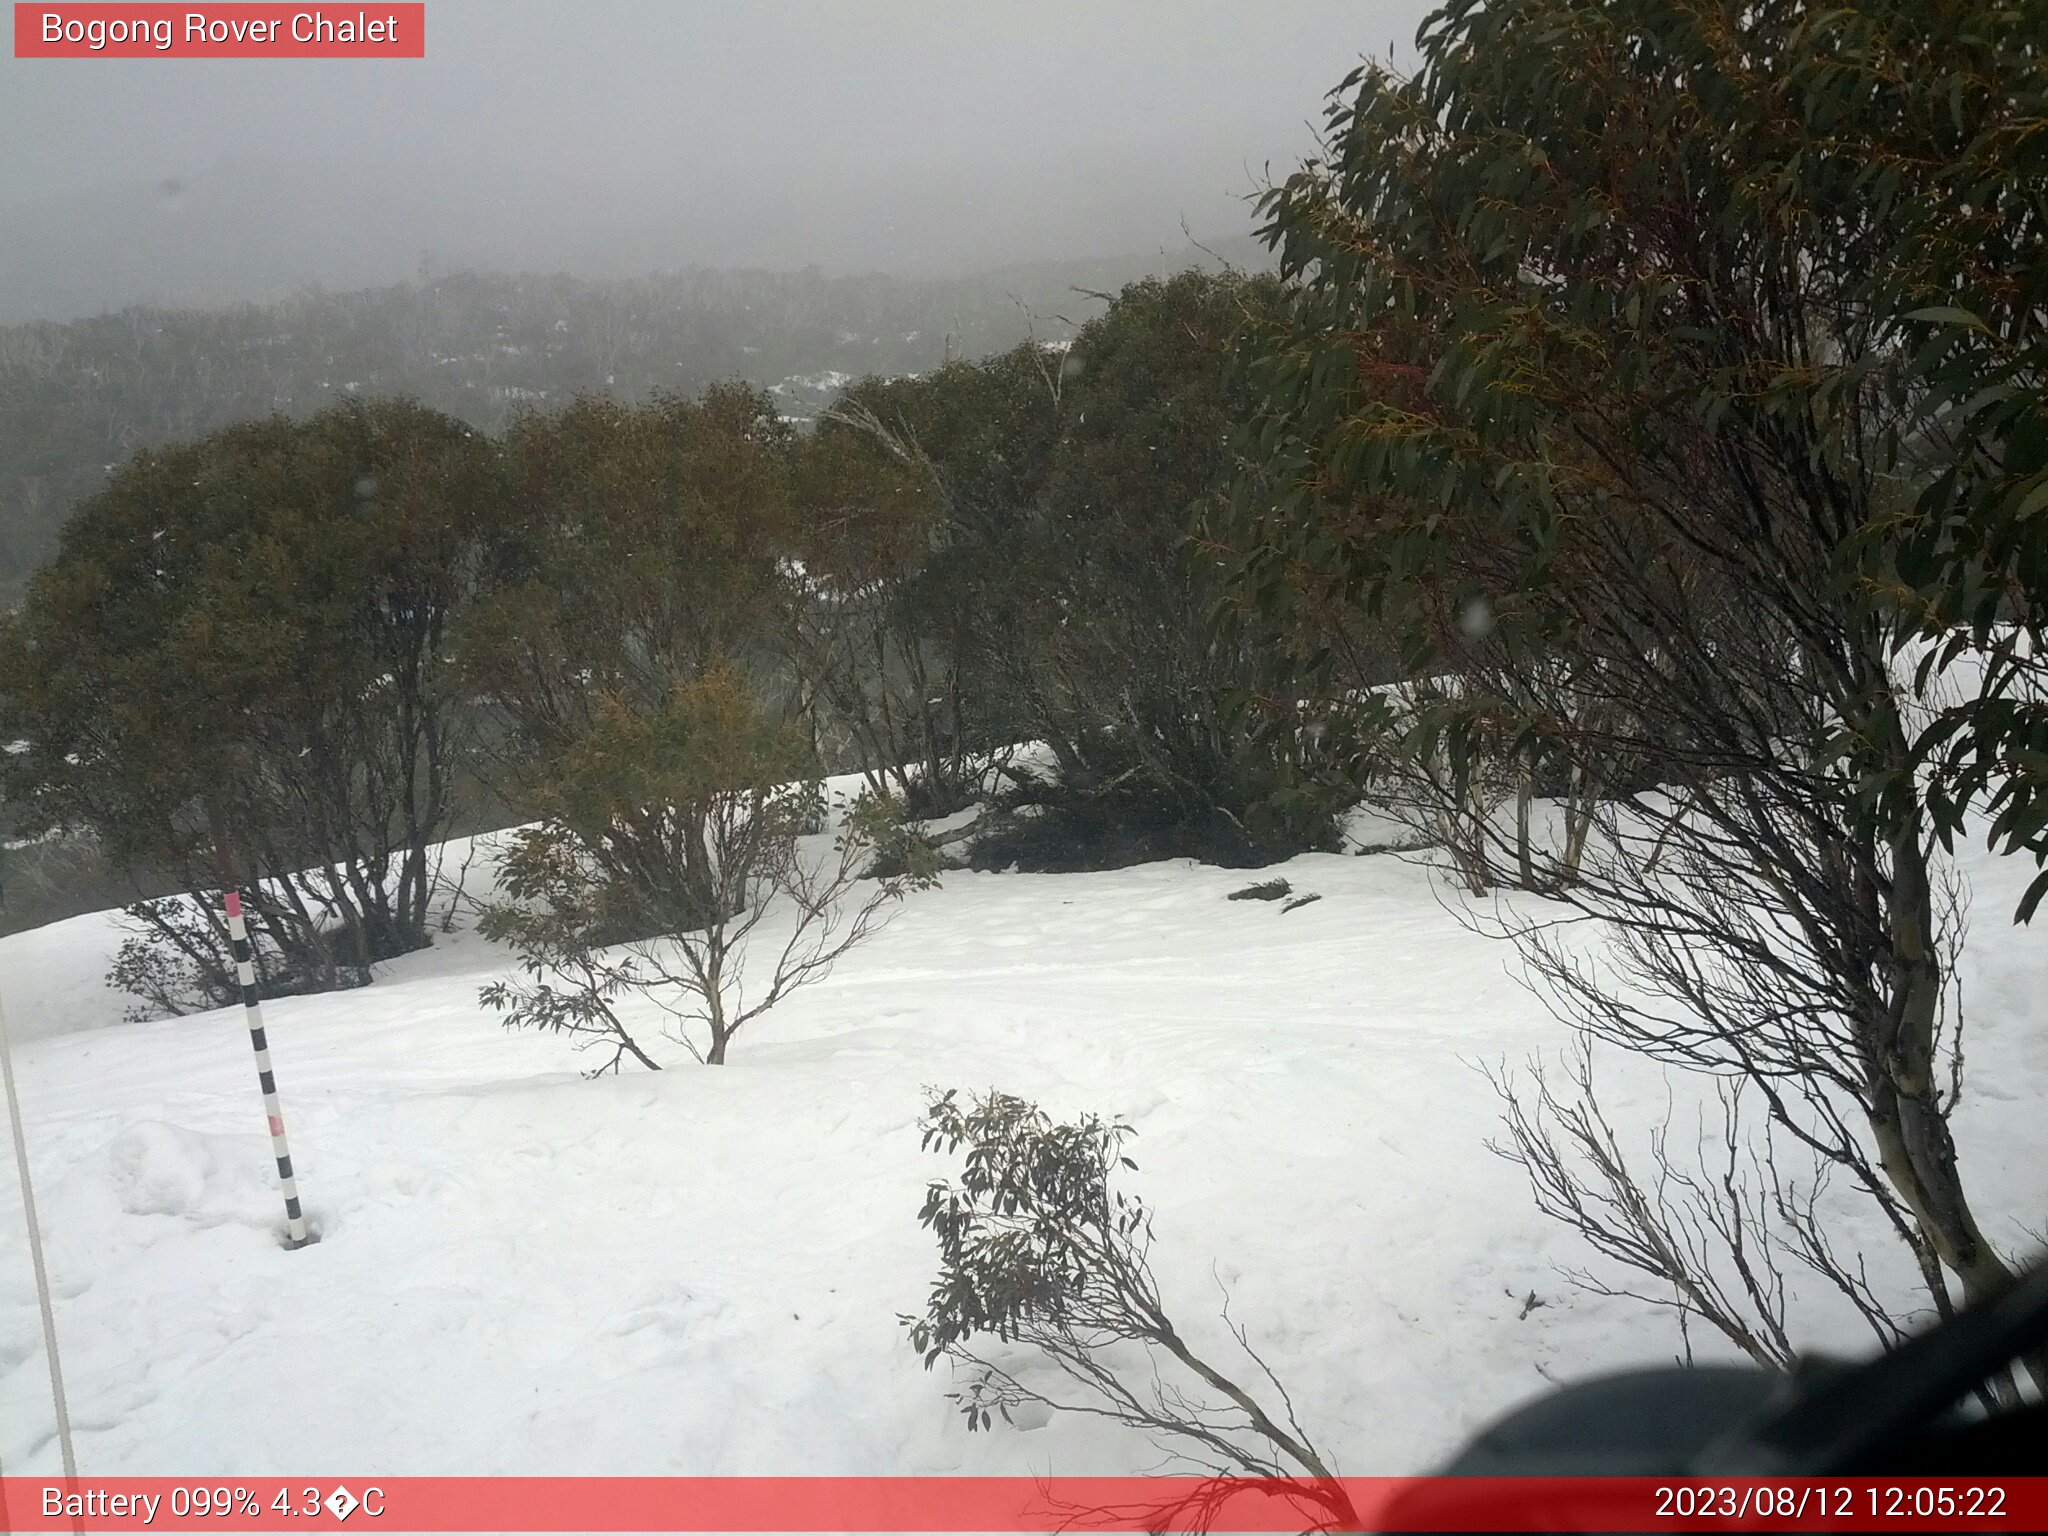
610, 139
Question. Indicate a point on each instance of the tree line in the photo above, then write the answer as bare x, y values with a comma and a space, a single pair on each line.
293, 654
78, 397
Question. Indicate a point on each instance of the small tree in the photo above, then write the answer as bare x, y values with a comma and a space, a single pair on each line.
236, 673
683, 833
1037, 1249
872, 627
635, 661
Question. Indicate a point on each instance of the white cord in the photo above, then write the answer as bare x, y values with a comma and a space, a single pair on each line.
35, 1249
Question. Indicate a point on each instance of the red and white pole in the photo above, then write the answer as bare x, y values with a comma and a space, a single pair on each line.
245, 972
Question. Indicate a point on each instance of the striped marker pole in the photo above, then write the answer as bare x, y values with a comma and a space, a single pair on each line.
245, 972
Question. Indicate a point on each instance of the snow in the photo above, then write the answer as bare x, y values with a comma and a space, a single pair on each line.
701, 1271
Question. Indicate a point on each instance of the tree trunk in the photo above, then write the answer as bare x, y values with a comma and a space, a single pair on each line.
1525, 865
1581, 799
1917, 1149
1915, 1146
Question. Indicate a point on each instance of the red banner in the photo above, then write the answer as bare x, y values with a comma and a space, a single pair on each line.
920, 1504
115, 31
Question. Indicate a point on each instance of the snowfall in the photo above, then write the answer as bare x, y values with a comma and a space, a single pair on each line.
523, 1270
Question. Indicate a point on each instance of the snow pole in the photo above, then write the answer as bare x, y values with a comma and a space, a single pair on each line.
245, 972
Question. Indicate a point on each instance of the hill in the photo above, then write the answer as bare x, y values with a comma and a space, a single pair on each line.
700, 1270
78, 397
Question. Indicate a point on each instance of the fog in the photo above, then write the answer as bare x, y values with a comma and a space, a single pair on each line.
913, 136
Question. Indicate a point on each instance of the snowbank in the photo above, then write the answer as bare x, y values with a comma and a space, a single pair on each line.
700, 1271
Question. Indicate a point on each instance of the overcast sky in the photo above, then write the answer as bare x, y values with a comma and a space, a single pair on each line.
617, 136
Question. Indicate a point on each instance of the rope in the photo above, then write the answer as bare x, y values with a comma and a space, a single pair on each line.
35, 1250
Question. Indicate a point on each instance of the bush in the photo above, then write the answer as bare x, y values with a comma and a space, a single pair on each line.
692, 817
1056, 827
235, 674
177, 959
1036, 1249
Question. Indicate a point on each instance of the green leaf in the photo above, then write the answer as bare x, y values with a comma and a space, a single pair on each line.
1948, 314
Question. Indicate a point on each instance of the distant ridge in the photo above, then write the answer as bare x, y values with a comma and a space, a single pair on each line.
78, 396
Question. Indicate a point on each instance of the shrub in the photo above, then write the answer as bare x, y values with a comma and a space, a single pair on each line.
1038, 1250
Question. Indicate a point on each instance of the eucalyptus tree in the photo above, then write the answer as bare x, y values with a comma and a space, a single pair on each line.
237, 672
1595, 394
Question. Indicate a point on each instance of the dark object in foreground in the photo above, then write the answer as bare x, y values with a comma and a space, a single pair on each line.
1265, 890
1901, 1415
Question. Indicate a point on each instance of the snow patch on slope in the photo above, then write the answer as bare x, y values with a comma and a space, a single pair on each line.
701, 1270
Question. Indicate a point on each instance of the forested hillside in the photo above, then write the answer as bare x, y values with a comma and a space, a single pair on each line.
77, 398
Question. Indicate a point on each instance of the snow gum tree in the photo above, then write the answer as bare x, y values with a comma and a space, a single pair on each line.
635, 662
237, 672
877, 622
687, 831
1066, 582
1152, 686
1595, 331
918, 498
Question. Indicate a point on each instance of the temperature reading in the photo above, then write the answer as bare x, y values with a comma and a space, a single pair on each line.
306, 1503
339, 1502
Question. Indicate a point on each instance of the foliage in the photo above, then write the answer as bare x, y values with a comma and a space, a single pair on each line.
236, 672
1143, 683
1060, 598
561, 914
173, 964
634, 656
880, 638
596, 921
1947, 131
1581, 404
79, 396
1038, 1250
644, 552
949, 635
1055, 827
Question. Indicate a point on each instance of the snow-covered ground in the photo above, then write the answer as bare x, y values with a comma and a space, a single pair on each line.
701, 1271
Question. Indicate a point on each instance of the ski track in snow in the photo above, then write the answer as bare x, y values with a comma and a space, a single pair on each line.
700, 1271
